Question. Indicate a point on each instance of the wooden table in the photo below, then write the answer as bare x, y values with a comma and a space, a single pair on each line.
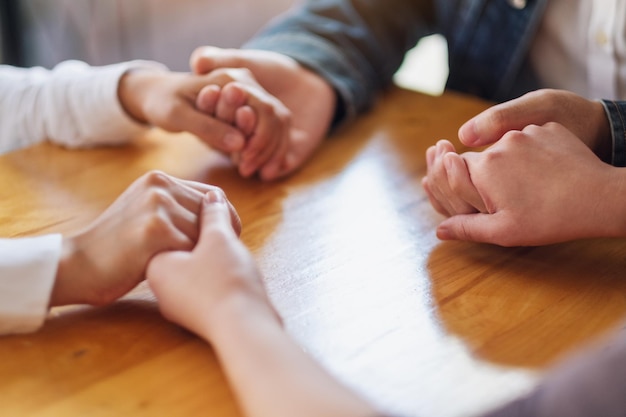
351, 261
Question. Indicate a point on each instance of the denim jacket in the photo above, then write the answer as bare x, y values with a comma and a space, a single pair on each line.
357, 46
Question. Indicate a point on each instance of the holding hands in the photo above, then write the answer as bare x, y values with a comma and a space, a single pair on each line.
536, 184
198, 288
107, 259
227, 109
308, 96
263, 109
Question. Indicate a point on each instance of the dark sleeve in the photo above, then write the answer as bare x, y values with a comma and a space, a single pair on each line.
616, 112
356, 45
592, 384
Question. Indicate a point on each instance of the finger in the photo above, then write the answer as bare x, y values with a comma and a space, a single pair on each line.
207, 58
295, 152
270, 133
185, 222
301, 146
246, 120
215, 133
215, 217
461, 183
188, 194
477, 227
433, 201
438, 178
260, 148
192, 201
490, 125
208, 98
235, 157
430, 156
276, 166
232, 98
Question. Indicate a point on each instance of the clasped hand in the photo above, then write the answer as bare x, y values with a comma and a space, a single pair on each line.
539, 181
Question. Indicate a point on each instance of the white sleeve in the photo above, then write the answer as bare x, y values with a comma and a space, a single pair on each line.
73, 105
28, 269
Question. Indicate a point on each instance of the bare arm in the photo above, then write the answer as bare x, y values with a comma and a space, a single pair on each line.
216, 291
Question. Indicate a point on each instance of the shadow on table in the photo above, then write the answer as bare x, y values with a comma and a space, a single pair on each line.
526, 306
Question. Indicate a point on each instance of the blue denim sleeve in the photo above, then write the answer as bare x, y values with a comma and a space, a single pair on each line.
616, 112
356, 45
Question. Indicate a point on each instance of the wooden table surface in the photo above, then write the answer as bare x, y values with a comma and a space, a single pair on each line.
348, 249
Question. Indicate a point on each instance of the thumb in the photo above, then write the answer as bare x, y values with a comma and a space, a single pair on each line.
487, 127
490, 125
475, 227
217, 215
207, 58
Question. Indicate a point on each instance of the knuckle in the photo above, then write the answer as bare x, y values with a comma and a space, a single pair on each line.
283, 115
512, 136
221, 73
158, 179
550, 98
156, 226
241, 73
531, 129
174, 109
159, 199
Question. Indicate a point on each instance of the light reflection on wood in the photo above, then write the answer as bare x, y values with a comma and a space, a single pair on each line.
351, 261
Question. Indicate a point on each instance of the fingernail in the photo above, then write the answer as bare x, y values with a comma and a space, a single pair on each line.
468, 133
444, 233
214, 196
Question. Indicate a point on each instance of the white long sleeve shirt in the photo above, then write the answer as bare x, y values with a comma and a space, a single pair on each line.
581, 47
73, 105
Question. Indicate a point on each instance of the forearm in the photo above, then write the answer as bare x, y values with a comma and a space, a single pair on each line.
74, 105
269, 372
355, 45
590, 384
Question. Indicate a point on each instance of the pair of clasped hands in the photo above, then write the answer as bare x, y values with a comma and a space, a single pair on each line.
540, 180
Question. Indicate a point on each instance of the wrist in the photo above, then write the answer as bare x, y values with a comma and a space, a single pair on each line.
66, 286
615, 217
132, 90
603, 145
238, 309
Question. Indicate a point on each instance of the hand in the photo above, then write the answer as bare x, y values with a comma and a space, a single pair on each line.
448, 184
168, 100
216, 292
309, 97
194, 288
106, 260
538, 186
586, 119
263, 119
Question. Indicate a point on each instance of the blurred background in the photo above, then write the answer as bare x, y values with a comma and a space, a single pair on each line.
45, 32
108, 31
